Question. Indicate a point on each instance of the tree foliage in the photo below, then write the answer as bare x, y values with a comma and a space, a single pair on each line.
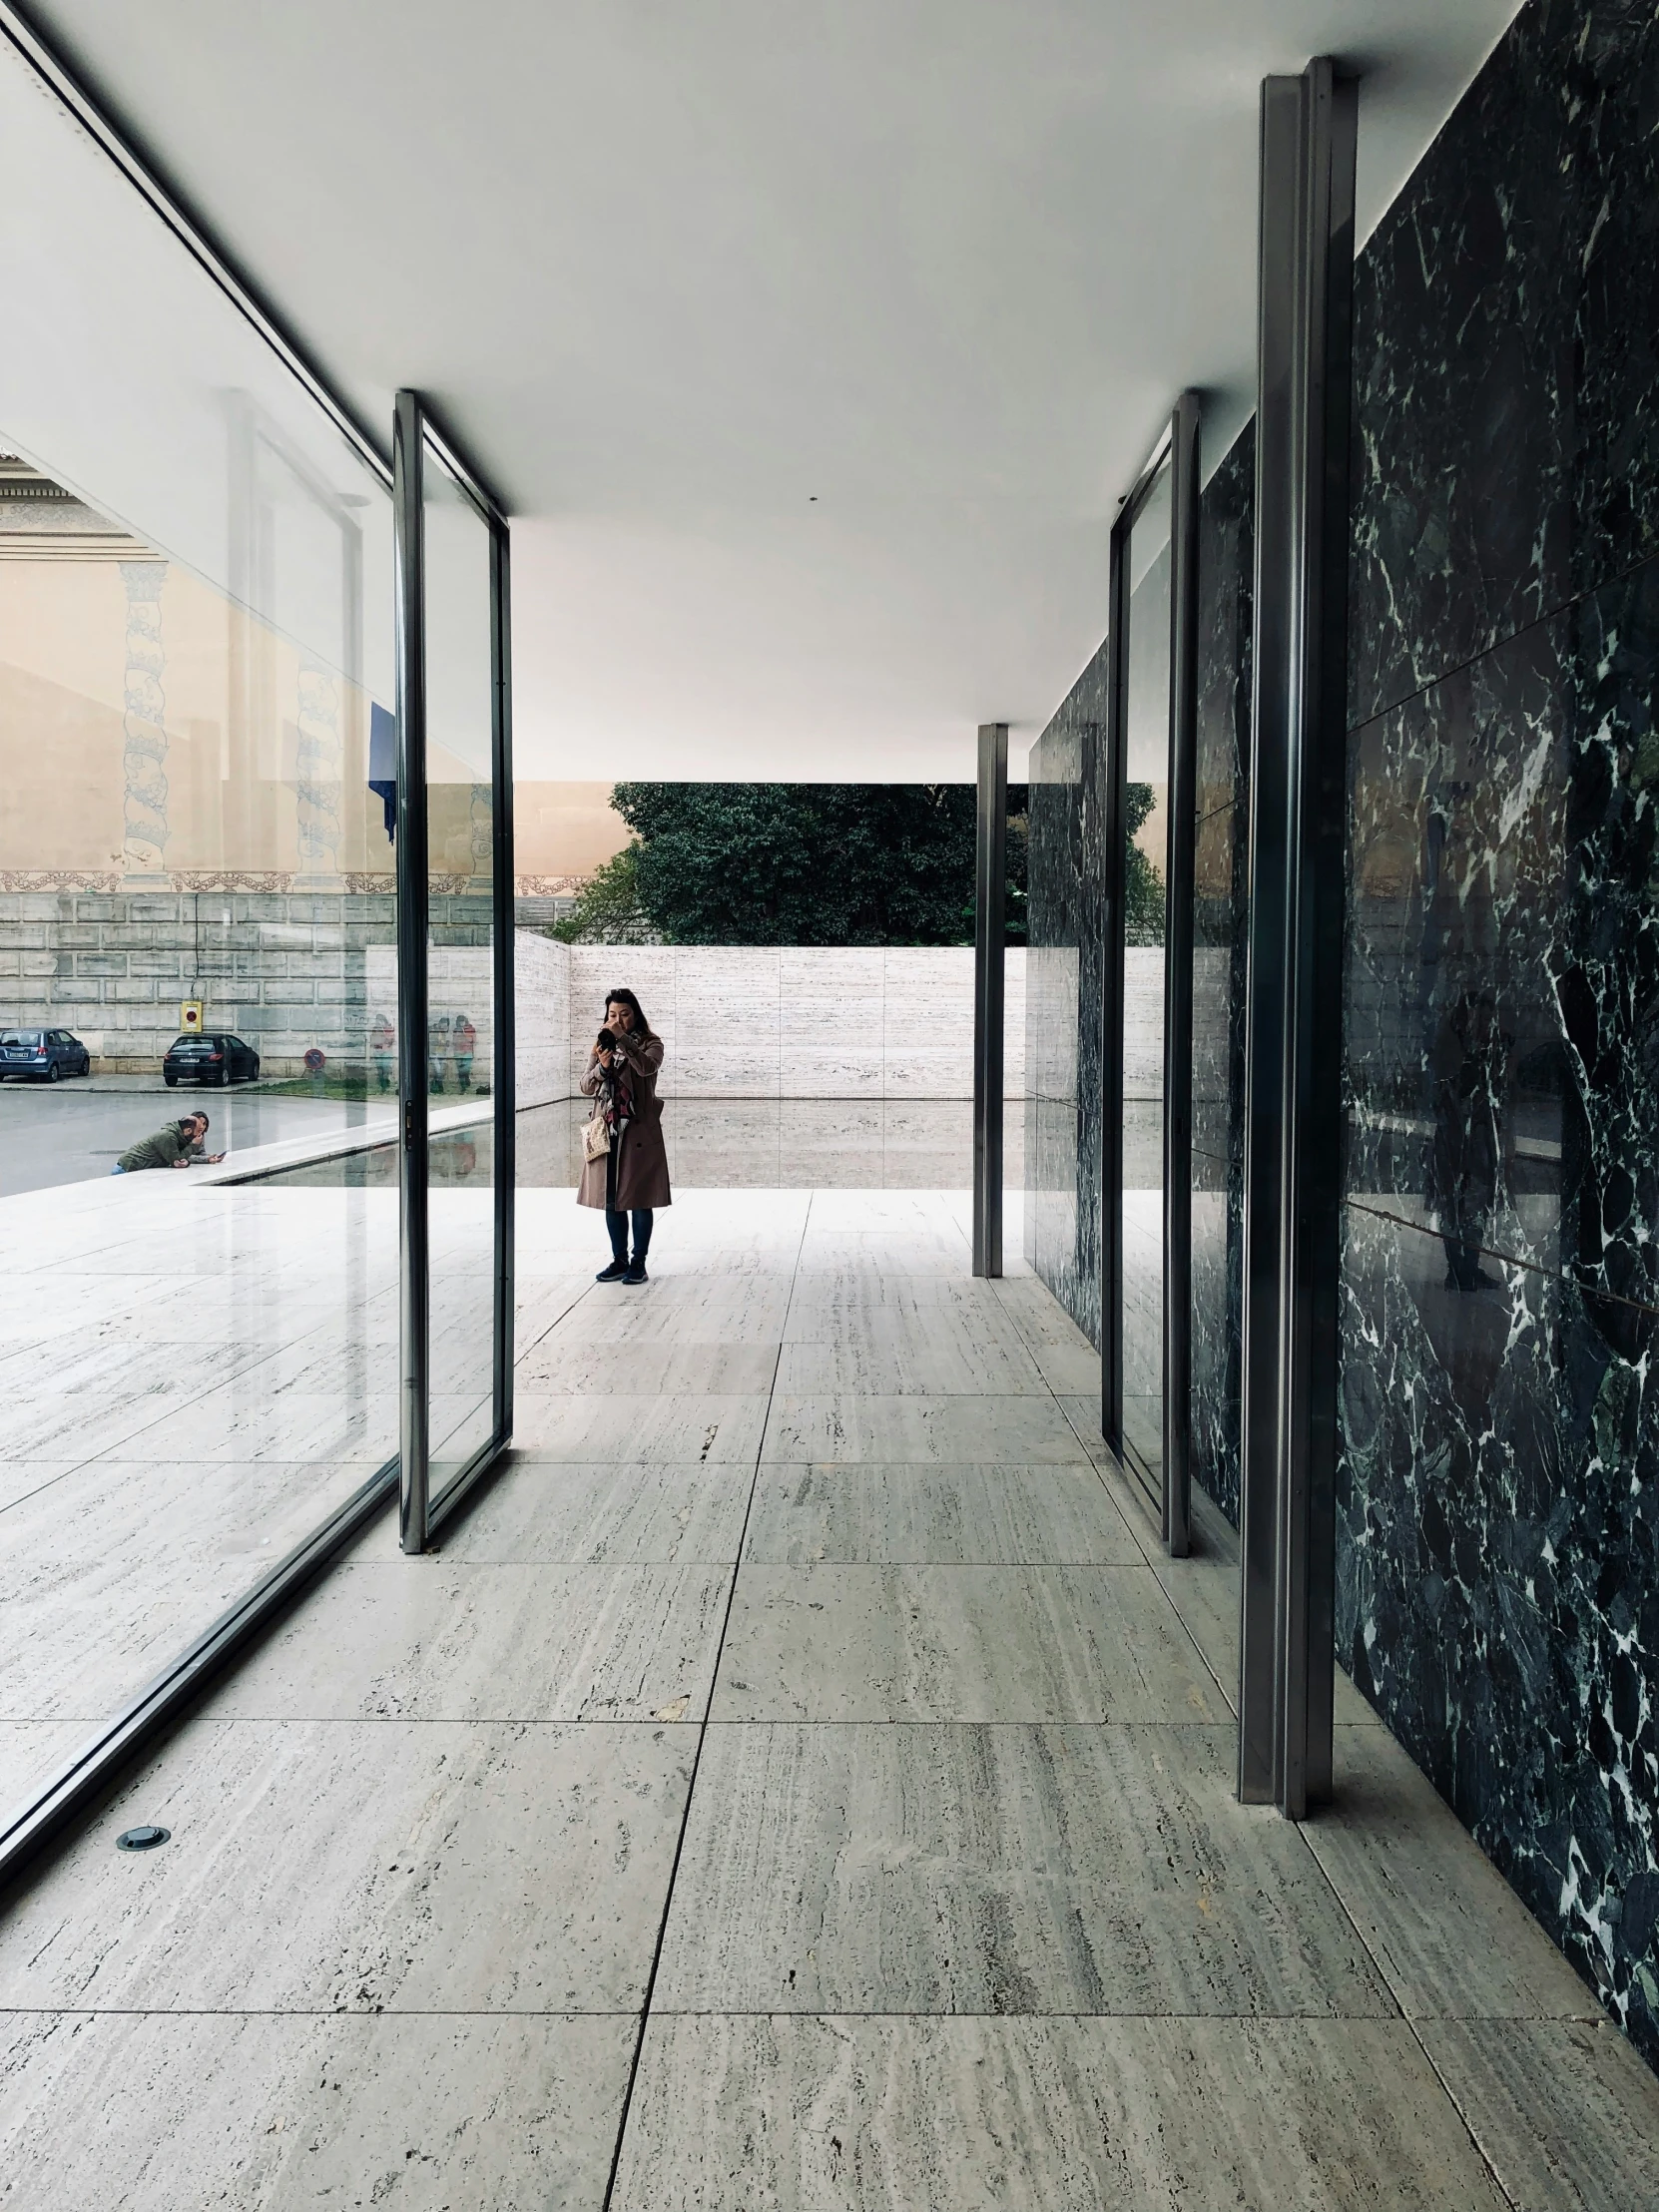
1143, 887
607, 911
795, 864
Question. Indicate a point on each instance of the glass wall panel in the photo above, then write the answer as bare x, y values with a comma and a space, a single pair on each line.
1145, 820
196, 917
460, 1041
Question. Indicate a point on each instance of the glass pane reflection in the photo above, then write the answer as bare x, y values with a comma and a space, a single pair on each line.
460, 1035
1146, 813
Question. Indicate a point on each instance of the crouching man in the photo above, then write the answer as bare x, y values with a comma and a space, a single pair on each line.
174, 1145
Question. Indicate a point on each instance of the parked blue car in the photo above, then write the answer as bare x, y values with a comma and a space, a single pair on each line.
46, 1054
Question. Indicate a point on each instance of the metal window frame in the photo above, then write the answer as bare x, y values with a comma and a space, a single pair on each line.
135, 1730
146, 174
1293, 1015
1178, 447
1178, 865
417, 432
990, 939
77, 1787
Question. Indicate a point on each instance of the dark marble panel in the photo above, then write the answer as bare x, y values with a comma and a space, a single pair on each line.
1502, 970
1224, 557
1499, 1547
1457, 881
1506, 354
1064, 972
1498, 1581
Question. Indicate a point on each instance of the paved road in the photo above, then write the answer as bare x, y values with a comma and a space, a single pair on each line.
67, 1131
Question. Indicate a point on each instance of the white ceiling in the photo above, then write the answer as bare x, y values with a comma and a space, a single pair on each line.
673, 269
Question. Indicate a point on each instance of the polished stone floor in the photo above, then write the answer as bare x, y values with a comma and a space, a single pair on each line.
796, 1783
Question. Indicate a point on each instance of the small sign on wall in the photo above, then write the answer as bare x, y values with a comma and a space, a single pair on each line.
189, 1017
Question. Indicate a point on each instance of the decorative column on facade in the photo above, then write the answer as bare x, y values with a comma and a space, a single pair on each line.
144, 726
317, 788
481, 821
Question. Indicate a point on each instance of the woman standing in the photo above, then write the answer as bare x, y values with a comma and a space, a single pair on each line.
631, 1176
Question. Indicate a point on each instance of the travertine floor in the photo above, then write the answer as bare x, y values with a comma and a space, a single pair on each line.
796, 1783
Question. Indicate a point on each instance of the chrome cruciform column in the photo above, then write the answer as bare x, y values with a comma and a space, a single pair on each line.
989, 939
1293, 1020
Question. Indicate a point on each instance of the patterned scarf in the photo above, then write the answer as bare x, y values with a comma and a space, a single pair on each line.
617, 1093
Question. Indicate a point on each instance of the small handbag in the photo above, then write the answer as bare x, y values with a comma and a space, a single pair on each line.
596, 1138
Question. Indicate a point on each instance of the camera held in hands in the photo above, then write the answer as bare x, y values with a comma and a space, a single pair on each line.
607, 1042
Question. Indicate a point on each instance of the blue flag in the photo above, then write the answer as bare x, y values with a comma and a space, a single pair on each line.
382, 764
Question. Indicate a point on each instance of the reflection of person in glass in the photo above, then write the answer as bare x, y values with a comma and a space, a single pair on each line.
438, 1051
463, 1039
382, 1043
1472, 1079
630, 1177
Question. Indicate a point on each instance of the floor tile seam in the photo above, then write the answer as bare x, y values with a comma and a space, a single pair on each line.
564, 1314
1151, 1559
1438, 2074
697, 1756
1417, 2021
1410, 2024
209, 1718
50, 1483
184, 1406
1137, 1567
1307, 2018
795, 1566
305, 2012
1228, 1695
553, 1720
1135, 1535
1058, 1402
1221, 1727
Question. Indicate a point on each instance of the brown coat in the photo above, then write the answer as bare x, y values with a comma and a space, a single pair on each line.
641, 1163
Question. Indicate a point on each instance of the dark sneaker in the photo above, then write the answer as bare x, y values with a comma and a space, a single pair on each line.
614, 1273
636, 1271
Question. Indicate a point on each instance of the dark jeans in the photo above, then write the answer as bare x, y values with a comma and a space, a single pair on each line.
617, 1222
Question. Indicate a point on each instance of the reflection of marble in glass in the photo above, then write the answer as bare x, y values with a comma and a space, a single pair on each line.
1142, 1217
1065, 969
1225, 543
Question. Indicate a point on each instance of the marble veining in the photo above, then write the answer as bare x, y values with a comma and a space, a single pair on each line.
1506, 366
1498, 1540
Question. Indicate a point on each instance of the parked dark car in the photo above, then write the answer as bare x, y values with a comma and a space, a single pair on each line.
215, 1059
46, 1054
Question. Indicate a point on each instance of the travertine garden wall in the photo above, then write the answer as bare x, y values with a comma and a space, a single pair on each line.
803, 1021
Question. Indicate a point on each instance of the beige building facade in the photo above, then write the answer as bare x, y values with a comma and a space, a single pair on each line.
186, 809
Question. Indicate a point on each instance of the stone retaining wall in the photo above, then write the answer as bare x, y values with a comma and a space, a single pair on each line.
289, 970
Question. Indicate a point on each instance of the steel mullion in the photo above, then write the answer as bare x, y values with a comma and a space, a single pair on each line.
990, 968
506, 1044
414, 1302
1178, 977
